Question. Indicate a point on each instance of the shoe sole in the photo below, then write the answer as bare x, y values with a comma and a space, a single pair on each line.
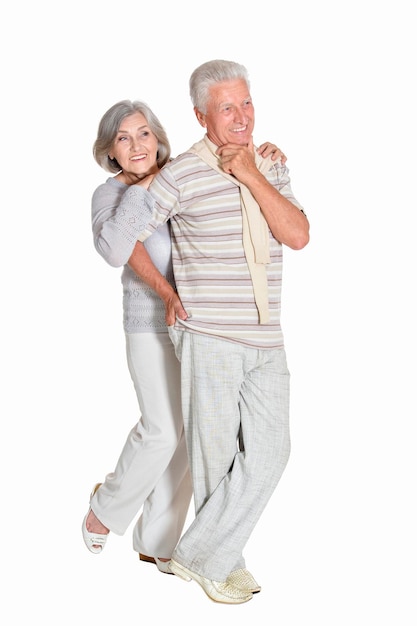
147, 559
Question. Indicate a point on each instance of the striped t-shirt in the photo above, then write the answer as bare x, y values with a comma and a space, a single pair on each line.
210, 269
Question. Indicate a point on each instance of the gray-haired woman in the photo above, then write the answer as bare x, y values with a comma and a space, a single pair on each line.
152, 471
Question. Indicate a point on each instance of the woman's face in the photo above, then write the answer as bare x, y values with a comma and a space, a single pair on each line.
135, 148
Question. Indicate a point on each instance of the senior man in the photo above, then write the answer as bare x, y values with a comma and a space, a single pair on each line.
231, 212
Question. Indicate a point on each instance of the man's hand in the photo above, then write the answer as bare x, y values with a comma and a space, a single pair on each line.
236, 159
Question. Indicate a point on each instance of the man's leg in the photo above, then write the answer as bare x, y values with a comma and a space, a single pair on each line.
225, 385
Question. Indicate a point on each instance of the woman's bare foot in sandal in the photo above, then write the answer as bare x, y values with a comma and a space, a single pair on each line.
94, 525
94, 533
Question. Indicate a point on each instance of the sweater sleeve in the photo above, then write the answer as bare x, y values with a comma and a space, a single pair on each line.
117, 223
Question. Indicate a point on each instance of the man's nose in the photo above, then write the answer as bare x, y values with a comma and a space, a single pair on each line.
240, 115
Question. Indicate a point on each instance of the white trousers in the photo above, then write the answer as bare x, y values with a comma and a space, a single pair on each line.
152, 471
231, 394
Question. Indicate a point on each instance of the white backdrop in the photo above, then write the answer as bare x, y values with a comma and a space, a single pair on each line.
333, 85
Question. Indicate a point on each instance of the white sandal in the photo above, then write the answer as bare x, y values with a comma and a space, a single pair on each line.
94, 541
163, 566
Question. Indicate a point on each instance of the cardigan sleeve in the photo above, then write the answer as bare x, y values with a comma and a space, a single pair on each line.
118, 216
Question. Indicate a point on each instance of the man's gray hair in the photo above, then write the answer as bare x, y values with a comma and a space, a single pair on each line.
211, 73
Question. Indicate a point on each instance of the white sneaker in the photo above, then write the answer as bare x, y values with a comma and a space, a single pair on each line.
218, 591
243, 580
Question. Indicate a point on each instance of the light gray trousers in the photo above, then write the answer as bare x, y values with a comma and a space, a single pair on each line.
227, 387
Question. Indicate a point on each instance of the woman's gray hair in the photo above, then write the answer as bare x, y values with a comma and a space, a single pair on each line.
109, 127
211, 73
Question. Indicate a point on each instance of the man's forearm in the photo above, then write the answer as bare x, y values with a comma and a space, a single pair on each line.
287, 223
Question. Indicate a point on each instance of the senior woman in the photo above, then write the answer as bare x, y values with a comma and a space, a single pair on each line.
152, 470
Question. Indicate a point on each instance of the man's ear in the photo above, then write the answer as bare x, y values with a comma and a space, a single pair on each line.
201, 117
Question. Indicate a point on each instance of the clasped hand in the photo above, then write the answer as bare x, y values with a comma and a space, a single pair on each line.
239, 161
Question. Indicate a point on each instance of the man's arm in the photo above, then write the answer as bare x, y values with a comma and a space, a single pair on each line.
142, 265
287, 223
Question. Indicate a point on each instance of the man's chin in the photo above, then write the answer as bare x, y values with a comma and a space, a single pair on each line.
240, 140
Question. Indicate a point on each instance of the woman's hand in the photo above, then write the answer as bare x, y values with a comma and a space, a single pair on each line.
146, 181
270, 149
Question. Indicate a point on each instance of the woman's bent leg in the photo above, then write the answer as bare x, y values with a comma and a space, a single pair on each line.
160, 526
151, 444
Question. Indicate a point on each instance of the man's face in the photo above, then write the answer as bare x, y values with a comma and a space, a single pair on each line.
230, 116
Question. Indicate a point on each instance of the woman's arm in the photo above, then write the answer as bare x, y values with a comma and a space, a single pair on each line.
116, 222
142, 265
